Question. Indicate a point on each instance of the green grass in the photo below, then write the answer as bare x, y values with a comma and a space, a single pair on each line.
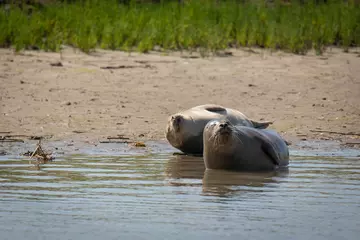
197, 24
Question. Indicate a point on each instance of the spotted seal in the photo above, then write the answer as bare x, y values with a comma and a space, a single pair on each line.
235, 147
184, 130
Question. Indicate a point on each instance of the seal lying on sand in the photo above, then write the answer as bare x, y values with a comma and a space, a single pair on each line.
184, 130
231, 147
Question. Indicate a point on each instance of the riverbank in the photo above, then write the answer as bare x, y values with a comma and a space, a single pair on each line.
88, 98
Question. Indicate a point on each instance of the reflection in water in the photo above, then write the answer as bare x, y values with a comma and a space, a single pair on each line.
222, 183
174, 197
182, 166
216, 182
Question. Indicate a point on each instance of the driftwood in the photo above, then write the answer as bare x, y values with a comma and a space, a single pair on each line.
127, 66
352, 142
118, 137
78, 131
159, 61
56, 64
134, 143
192, 56
108, 141
335, 132
40, 155
11, 140
14, 137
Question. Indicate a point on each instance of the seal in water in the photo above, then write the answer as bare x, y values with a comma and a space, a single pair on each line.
184, 130
231, 147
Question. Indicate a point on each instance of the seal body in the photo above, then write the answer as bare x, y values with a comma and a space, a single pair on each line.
184, 130
234, 147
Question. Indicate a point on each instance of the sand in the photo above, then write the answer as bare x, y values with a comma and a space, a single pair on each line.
73, 95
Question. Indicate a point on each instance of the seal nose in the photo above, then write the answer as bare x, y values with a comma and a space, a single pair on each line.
176, 119
223, 125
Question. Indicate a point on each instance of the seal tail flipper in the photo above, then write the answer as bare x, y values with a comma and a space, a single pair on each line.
261, 125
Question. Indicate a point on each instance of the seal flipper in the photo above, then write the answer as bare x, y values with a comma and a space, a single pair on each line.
215, 108
261, 125
270, 151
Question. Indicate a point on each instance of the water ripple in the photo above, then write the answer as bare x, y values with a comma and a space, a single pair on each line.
173, 196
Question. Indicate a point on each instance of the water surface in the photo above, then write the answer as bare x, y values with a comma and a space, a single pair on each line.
165, 196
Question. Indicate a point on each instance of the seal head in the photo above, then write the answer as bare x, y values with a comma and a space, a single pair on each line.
184, 133
184, 130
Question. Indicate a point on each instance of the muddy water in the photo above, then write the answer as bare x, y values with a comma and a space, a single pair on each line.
165, 196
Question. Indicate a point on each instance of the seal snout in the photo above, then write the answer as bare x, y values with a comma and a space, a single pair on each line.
224, 127
176, 121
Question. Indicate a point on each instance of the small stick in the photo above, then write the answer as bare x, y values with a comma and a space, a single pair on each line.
10, 140
334, 132
350, 143
15, 135
127, 66
118, 137
35, 152
78, 131
115, 142
145, 61
22, 135
40, 155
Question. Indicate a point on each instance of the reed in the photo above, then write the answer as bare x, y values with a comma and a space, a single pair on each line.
192, 25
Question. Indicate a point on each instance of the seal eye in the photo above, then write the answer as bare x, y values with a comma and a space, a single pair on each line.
212, 124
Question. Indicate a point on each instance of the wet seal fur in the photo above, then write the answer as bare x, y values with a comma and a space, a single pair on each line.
184, 130
231, 147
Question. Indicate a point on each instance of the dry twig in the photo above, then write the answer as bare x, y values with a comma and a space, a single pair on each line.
159, 61
118, 137
115, 142
40, 155
334, 132
2, 139
127, 66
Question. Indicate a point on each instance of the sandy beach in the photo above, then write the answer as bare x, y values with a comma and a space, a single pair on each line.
72, 95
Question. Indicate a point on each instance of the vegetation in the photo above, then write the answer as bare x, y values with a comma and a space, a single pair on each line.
192, 24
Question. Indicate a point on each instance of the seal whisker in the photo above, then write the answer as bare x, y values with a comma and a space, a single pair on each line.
236, 135
241, 142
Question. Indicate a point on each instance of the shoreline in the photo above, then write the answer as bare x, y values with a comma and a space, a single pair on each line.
83, 146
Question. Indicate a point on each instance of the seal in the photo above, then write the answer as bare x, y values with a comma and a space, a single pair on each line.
184, 130
231, 147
